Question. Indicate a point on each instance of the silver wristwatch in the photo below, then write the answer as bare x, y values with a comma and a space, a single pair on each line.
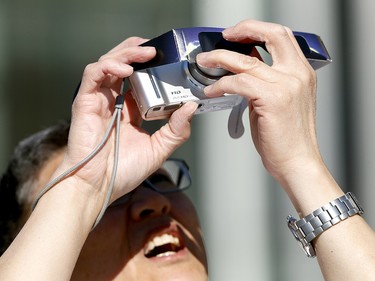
308, 228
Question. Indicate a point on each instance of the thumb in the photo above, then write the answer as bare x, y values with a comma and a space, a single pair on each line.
173, 134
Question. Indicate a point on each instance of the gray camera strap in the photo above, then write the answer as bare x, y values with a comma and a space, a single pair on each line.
235, 124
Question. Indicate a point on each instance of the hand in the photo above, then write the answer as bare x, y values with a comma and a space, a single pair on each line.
140, 153
281, 96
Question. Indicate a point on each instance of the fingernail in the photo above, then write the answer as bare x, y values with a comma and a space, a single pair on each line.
149, 49
190, 108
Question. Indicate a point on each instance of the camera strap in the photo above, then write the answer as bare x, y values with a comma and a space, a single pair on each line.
235, 124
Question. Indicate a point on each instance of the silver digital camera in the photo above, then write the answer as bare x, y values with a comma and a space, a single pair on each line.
173, 77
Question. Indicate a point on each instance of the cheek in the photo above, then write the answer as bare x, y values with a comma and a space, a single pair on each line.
183, 209
185, 213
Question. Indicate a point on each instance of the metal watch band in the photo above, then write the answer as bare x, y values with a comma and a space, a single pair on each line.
308, 228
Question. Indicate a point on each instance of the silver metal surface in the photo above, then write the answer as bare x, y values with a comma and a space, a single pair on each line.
311, 226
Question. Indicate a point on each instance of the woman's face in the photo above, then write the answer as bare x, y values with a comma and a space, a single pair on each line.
150, 236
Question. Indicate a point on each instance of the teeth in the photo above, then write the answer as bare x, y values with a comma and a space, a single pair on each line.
166, 254
160, 241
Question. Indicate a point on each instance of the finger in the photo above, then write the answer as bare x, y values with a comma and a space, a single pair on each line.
131, 54
236, 63
242, 84
132, 114
96, 73
275, 37
129, 42
298, 48
175, 132
127, 56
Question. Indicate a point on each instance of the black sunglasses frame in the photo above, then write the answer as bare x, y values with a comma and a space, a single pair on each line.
184, 171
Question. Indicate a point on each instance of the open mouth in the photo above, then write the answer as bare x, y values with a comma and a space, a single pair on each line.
163, 246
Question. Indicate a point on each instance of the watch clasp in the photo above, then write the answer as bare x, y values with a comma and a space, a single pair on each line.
306, 246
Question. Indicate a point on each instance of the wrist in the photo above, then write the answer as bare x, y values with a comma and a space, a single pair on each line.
73, 197
309, 185
313, 225
58, 227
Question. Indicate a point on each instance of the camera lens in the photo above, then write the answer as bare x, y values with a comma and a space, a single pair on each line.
204, 75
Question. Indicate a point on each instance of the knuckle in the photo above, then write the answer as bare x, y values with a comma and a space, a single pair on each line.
247, 62
288, 30
103, 57
89, 68
301, 84
241, 79
280, 31
217, 57
308, 76
93, 70
233, 83
296, 84
133, 38
133, 41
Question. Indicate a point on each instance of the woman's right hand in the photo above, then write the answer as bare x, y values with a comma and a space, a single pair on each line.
140, 153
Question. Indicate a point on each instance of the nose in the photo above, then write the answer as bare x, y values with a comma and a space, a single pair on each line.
147, 203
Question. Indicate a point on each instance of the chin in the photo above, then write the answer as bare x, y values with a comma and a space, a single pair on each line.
178, 275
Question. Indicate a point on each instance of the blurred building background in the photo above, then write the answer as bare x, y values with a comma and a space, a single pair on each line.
45, 45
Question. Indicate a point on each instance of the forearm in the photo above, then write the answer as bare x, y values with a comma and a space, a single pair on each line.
346, 250
49, 244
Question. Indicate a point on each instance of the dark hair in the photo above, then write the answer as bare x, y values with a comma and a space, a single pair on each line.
24, 166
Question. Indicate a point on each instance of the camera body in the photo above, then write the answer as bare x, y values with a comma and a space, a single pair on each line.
173, 77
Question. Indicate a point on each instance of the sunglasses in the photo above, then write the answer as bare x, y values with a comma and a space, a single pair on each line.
173, 176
